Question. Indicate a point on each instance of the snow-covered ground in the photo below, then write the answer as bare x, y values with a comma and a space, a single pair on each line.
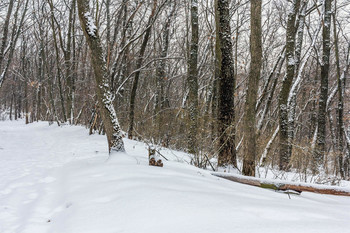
59, 179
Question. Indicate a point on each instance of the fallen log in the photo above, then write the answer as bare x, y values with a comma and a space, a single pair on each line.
284, 185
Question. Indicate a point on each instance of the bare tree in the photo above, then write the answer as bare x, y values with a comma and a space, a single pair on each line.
104, 96
253, 84
225, 75
284, 153
321, 123
192, 81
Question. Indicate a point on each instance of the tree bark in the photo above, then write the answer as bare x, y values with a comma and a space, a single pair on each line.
226, 82
340, 105
252, 91
322, 106
284, 154
284, 185
104, 96
192, 81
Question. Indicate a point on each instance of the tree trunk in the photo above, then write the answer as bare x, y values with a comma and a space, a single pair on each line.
321, 133
104, 96
4, 34
252, 91
137, 73
161, 77
292, 99
285, 185
226, 82
340, 105
284, 153
69, 64
192, 82
59, 77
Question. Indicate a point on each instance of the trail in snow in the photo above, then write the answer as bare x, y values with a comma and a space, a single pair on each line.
59, 179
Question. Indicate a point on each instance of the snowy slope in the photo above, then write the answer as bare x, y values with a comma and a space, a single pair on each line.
59, 179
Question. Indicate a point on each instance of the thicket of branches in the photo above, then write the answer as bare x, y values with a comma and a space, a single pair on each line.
161, 96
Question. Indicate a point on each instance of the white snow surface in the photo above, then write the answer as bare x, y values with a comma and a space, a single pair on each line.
59, 179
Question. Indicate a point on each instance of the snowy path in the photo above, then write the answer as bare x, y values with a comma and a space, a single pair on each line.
58, 179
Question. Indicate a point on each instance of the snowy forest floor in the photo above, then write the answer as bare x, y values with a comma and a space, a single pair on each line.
59, 179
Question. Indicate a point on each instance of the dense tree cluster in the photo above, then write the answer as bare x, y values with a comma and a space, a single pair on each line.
257, 83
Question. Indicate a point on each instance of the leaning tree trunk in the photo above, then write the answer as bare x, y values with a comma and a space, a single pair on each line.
104, 96
253, 81
322, 106
226, 82
192, 81
284, 154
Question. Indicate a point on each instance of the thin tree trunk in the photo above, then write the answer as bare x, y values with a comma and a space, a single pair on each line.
137, 73
292, 99
161, 76
270, 97
340, 105
69, 64
192, 81
321, 133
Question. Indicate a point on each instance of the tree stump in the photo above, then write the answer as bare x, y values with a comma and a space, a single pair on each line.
153, 159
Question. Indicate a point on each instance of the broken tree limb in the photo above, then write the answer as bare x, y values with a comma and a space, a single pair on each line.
284, 185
